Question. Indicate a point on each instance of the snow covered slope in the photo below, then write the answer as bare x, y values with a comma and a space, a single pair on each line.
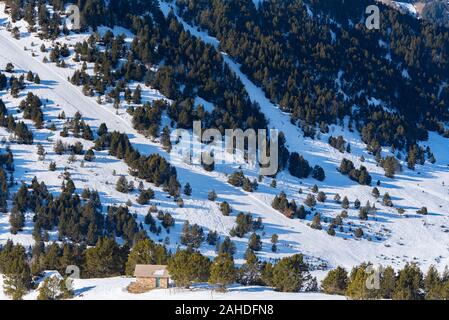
390, 238
115, 289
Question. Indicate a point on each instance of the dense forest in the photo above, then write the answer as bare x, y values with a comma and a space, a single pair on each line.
318, 61
314, 58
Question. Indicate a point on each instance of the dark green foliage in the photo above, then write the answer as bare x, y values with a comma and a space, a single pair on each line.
121, 223
223, 271
90, 155
145, 196
227, 247
17, 220
358, 233
106, 259
391, 166
321, 196
186, 267
192, 235
336, 281
316, 222
166, 219
145, 252
298, 166
254, 243
338, 143
31, 108
422, 211
281, 203
318, 173
355, 49
187, 189
146, 119
375, 192
386, 200
244, 224
15, 270
225, 208
212, 238
238, 179
212, 195
250, 272
154, 168
310, 201
361, 175
290, 274
409, 284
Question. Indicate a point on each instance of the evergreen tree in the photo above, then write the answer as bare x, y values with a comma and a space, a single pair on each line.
387, 283
409, 284
17, 220
122, 185
250, 273
225, 208
16, 272
106, 259
212, 196
145, 252
223, 271
290, 274
433, 284
335, 282
357, 287
187, 189
186, 267
254, 243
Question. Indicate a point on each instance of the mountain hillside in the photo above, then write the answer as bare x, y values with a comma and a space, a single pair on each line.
86, 165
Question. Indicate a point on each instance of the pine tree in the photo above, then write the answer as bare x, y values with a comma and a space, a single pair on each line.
59, 147
290, 273
433, 284
90, 155
226, 247
137, 95
387, 283
254, 243
345, 203
145, 252
165, 139
274, 241
358, 233
250, 272
357, 288
52, 166
223, 271
335, 282
391, 166
310, 201
16, 272
386, 200
225, 208
409, 284
321, 197
186, 267
17, 220
106, 259
316, 222
212, 196
49, 289
122, 185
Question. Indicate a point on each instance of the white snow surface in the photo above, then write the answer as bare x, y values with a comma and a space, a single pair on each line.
390, 238
115, 289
